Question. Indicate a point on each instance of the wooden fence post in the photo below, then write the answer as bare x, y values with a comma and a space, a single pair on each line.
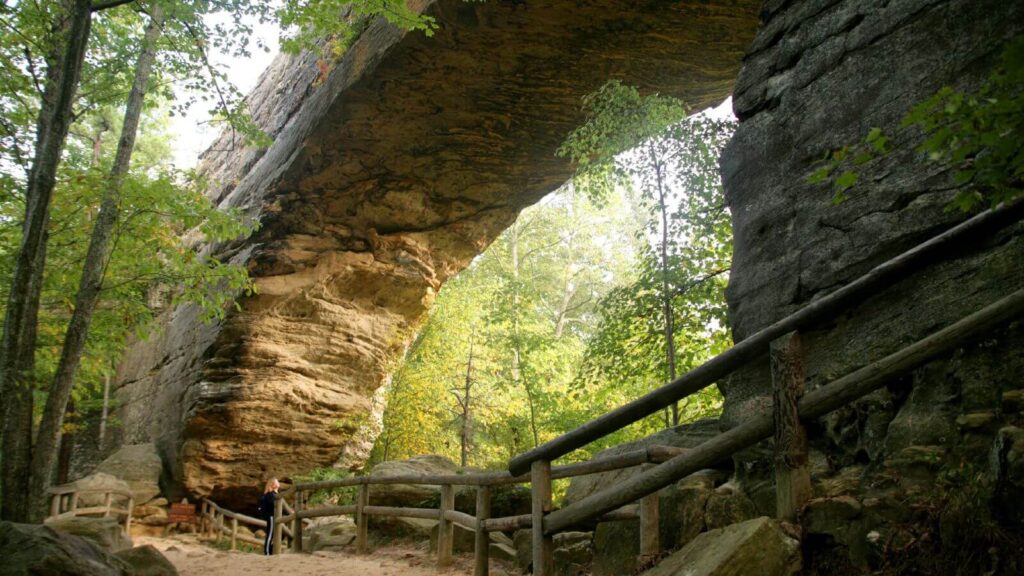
128, 517
445, 529
650, 545
108, 499
218, 527
362, 521
482, 551
297, 524
278, 529
74, 502
543, 546
792, 477
55, 504
234, 532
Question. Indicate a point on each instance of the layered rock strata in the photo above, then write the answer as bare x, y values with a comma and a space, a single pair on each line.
391, 169
818, 76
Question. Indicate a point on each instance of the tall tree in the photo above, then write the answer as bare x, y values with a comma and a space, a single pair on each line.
17, 345
65, 44
643, 143
94, 267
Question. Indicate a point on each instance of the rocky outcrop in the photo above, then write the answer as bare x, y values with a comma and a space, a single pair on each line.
388, 175
147, 561
506, 500
818, 76
139, 466
106, 533
31, 550
97, 483
332, 534
409, 495
757, 546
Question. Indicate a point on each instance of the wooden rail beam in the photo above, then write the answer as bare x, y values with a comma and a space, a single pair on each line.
508, 523
813, 405
401, 512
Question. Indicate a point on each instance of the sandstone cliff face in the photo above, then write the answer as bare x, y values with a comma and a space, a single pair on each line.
819, 75
387, 176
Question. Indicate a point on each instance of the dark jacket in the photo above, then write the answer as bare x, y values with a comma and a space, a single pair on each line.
266, 505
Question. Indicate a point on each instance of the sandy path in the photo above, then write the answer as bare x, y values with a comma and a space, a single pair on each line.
192, 558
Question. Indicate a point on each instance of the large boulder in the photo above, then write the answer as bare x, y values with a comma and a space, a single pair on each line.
33, 550
409, 495
334, 534
757, 546
463, 539
95, 484
411, 528
573, 552
106, 533
147, 561
506, 500
139, 466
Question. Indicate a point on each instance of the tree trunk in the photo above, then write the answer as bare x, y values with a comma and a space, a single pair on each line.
517, 376
467, 414
106, 412
17, 345
666, 292
568, 291
67, 441
93, 270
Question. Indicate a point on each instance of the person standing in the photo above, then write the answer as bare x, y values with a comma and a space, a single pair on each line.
267, 503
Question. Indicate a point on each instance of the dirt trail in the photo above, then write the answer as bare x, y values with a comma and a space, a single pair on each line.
192, 558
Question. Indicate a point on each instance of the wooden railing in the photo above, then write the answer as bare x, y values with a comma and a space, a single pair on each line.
217, 522
791, 409
447, 516
64, 503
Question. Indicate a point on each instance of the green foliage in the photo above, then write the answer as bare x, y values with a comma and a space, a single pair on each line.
526, 306
618, 119
976, 134
670, 167
305, 22
335, 496
155, 260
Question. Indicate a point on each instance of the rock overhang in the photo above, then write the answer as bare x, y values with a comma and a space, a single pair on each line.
387, 176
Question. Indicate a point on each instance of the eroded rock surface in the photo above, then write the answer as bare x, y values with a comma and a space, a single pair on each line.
757, 546
30, 550
387, 176
818, 76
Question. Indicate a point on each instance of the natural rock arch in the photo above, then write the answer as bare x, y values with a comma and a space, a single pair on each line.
388, 175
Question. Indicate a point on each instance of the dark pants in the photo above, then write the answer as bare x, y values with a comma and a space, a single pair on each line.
267, 544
